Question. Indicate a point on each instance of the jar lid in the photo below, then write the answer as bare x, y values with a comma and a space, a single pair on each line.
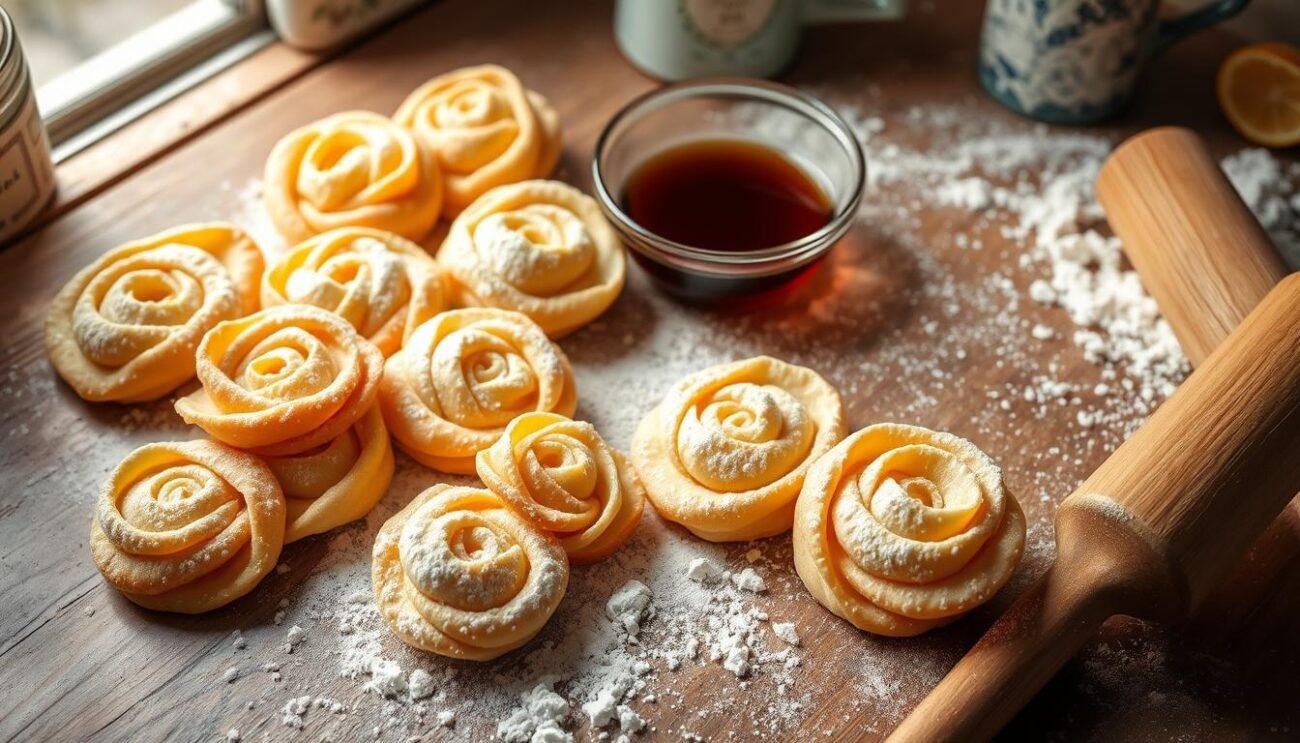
13, 69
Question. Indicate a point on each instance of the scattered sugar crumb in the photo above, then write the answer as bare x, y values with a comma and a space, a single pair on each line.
749, 580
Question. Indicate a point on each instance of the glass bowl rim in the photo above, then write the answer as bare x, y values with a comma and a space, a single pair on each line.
744, 88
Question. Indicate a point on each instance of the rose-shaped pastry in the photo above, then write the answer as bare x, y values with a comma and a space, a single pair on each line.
486, 130
458, 573
465, 374
354, 169
900, 529
126, 326
562, 476
187, 527
726, 452
283, 380
542, 248
382, 283
337, 482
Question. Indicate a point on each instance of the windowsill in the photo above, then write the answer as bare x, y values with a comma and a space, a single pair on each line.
145, 70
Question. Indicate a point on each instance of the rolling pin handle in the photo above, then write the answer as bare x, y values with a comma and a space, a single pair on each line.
1042, 630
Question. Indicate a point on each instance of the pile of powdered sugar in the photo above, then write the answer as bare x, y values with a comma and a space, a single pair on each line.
604, 663
897, 325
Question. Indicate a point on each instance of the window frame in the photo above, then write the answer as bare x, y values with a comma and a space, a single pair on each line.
148, 68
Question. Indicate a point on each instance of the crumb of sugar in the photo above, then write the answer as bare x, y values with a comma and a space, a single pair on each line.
630, 606
446, 718
603, 709
749, 580
701, 570
295, 637
386, 678
787, 632
232, 735
237, 640
541, 718
294, 712
230, 675
1268, 189
629, 722
420, 684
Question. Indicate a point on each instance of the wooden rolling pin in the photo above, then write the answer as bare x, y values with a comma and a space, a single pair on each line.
1207, 262
1154, 530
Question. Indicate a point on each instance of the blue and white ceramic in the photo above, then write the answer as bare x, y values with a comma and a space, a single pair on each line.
1077, 61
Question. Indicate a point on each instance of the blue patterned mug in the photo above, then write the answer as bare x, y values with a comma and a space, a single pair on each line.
1077, 61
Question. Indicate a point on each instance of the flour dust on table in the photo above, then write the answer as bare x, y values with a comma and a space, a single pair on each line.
893, 323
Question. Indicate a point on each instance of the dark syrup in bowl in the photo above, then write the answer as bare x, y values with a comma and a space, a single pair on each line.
727, 196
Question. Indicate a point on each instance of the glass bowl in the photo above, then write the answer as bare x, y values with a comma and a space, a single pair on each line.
800, 127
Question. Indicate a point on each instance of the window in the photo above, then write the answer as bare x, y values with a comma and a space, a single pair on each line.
99, 63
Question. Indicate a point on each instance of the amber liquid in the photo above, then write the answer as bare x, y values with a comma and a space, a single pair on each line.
725, 195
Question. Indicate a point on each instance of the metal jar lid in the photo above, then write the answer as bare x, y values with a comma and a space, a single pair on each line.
15, 85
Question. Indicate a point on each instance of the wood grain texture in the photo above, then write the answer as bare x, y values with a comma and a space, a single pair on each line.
91, 665
1206, 261
1199, 250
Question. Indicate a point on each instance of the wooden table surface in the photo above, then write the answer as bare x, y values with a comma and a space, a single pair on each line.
77, 661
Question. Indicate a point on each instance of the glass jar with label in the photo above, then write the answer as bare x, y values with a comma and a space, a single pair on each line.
26, 167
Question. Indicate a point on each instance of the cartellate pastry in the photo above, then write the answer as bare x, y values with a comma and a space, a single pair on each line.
562, 476
725, 453
187, 527
458, 573
900, 529
353, 169
542, 248
284, 380
382, 283
338, 481
465, 374
126, 326
486, 130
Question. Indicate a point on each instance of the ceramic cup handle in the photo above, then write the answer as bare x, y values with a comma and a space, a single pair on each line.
1173, 29
829, 11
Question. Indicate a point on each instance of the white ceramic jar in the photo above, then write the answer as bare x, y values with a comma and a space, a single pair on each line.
26, 167
679, 39
321, 24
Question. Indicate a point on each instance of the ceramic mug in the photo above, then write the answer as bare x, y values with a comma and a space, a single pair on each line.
676, 39
1077, 61
324, 24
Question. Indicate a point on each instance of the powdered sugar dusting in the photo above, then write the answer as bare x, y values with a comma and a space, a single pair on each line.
980, 248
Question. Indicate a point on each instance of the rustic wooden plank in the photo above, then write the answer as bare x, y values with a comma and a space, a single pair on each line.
96, 666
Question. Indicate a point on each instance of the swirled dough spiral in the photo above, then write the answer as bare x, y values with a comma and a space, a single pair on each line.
486, 130
187, 527
283, 380
562, 476
126, 326
465, 374
900, 529
542, 248
725, 453
353, 169
382, 283
338, 481
458, 573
